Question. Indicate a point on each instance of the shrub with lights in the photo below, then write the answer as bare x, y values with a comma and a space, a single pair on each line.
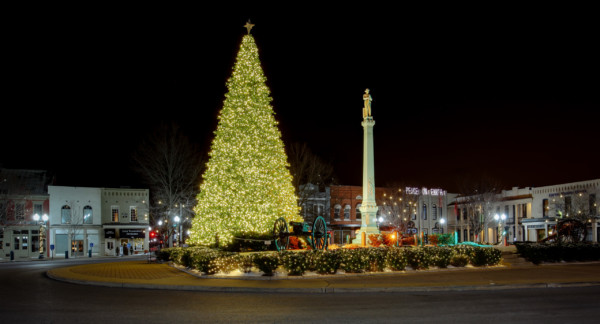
295, 263
459, 260
376, 259
204, 260
356, 260
441, 256
396, 259
266, 262
326, 262
247, 184
480, 256
418, 258
245, 263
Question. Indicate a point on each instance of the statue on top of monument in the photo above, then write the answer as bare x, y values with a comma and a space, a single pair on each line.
367, 108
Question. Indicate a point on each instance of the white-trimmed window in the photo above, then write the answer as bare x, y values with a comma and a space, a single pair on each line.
115, 213
347, 209
336, 212
358, 213
87, 215
65, 215
133, 213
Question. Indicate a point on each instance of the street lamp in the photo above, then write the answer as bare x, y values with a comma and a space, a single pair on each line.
43, 219
499, 219
176, 219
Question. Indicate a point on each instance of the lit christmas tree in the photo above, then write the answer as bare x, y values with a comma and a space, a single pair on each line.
247, 184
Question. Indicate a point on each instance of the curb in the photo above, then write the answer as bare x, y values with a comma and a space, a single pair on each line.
321, 290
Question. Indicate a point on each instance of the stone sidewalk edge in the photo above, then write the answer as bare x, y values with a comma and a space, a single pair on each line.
113, 284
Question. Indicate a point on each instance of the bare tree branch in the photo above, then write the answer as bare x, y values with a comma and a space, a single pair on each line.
171, 165
306, 167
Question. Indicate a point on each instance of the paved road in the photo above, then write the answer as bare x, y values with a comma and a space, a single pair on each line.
27, 295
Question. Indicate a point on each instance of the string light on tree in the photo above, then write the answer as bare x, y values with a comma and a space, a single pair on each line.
247, 184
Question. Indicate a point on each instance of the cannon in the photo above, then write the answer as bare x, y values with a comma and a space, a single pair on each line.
316, 235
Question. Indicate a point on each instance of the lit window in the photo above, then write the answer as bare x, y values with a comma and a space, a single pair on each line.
65, 215
115, 213
133, 213
87, 215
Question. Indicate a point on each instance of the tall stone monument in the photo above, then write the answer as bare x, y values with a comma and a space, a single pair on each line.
368, 207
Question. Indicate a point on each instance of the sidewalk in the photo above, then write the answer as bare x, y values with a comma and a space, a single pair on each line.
141, 274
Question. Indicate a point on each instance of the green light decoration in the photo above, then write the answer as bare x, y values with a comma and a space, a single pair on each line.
247, 184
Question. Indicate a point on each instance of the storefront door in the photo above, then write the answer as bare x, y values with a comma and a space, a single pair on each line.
21, 243
77, 247
110, 247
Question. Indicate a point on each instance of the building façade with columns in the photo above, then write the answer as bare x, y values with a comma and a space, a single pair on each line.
530, 214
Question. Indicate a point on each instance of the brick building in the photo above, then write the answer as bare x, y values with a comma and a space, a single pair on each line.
23, 195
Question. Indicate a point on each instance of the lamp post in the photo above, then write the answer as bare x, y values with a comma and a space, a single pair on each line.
442, 221
176, 219
499, 219
44, 219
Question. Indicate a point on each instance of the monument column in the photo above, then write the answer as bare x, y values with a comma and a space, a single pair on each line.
368, 207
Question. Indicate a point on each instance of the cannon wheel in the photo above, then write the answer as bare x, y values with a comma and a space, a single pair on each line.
281, 234
319, 234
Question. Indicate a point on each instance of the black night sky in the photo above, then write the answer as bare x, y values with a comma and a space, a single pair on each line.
509, 92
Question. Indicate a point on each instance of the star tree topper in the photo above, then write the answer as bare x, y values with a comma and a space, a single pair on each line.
249, 26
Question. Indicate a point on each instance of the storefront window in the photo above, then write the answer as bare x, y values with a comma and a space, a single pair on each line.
138, 244
24, 239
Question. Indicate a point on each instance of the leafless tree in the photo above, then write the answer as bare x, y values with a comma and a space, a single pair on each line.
75, 225
397, 207
171, 165
575, 205
308, 168
480, 197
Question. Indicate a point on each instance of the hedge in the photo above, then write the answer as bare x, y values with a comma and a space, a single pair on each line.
558, 251
296, 263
